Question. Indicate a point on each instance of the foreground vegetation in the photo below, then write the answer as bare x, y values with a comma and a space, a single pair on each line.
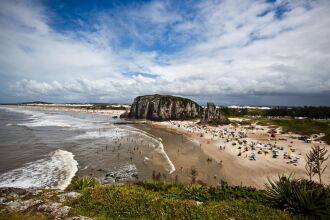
299, 196
164, 200
284, 198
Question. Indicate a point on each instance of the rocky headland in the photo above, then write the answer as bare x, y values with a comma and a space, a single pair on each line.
165, 107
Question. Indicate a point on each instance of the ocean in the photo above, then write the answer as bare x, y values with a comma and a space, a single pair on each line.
47, 148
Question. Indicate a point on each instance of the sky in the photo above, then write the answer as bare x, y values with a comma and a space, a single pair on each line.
231, 52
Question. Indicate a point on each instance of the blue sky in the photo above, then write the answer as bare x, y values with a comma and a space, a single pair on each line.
245, 52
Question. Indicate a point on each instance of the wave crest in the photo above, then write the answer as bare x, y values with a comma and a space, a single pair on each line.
55, 171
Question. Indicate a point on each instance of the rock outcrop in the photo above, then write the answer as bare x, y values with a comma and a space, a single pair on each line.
165, 107
36, 202
213, 115
159, 108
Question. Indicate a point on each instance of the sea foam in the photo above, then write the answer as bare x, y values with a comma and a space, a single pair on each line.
46, 123
110, 134
55, 171
41, 119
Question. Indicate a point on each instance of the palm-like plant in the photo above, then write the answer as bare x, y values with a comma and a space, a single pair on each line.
81, 183
299, 196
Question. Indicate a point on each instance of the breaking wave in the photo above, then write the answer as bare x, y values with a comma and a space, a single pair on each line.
55, 171
112, 134
41, 119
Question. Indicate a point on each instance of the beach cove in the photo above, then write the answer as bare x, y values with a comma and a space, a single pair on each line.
212, 152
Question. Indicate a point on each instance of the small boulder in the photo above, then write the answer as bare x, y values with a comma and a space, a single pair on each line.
69, 195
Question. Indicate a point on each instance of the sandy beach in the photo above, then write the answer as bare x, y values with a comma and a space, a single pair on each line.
73, 108
224, 143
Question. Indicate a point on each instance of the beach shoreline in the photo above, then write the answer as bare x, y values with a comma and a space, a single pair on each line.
212, 151
71, 108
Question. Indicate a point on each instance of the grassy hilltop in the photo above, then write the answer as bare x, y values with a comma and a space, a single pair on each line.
164, 200
286, 198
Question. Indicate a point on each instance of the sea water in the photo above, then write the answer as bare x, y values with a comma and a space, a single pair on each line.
47, 148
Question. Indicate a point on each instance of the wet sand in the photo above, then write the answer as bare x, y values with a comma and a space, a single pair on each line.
186, 155
134, 149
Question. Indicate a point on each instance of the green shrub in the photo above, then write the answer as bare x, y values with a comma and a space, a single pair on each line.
299, 196
81, 183
236, 192
158, 186
244, 210
196, 192
202, 193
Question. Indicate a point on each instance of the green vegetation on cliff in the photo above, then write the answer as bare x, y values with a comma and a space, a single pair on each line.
164, 107
165, 200
284, 198
166, 98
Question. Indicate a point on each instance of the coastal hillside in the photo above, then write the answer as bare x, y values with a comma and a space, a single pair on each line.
86, 198
165, 107
147, 200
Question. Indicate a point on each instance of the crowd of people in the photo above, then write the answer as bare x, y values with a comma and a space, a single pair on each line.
242, 138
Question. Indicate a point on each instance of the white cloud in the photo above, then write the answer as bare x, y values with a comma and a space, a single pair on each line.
233, 51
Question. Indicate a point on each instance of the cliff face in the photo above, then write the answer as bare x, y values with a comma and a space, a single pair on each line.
160, 108
213, 115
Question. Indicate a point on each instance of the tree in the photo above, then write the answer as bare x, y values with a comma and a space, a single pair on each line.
314, 162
